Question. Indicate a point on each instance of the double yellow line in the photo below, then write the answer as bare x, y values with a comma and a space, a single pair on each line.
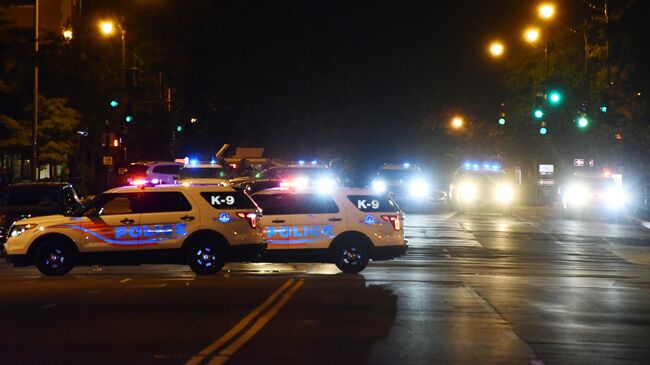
287, 290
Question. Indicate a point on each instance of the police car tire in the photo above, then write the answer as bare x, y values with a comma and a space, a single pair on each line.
351, 257
205, 258
54, 257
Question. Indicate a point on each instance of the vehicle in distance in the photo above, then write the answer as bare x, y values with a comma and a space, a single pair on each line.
594, 194
204, 173
203, 226
408, 186
24, 200
482, 186
344, 226
153, 172
298, 175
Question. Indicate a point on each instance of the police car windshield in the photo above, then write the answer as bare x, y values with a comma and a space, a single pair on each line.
289, 172
397, 174
204, 173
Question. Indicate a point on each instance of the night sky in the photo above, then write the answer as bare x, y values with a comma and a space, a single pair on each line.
345, 74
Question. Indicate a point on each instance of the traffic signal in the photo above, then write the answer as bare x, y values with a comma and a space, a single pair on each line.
543, 131
618, 136
538, 109
179, 128
603, 109
502, 120
583, 121
554, 97
127, 112
114, 103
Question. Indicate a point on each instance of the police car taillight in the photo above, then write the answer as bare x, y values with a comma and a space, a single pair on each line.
393, 220
250, 217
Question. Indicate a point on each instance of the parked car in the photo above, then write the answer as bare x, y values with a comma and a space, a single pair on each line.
24, 200
155, 172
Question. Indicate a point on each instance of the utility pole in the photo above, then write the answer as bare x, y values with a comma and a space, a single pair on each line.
35, 120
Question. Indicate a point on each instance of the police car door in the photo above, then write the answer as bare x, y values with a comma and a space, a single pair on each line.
166, 218
315, 220
111, 224
276, 218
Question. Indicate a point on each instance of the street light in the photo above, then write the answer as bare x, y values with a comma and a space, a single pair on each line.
546, 11
107, 28
532, 34
67, 34
496, 49
457, 122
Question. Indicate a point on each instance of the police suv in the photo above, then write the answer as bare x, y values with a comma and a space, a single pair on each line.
202, 226
344, 226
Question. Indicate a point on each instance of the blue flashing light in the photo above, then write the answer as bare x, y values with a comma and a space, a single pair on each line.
301, 162
194, 161
475, 167
313, 162
467, 165
213, 162
486, 166
496, 167
406, 165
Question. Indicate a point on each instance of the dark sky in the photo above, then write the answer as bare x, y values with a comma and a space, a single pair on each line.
287, 73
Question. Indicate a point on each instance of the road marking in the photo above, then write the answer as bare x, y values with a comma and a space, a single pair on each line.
265, 317
125, 280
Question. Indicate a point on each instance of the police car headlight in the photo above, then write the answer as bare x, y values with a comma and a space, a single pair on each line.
378, 186
467, 192
616, 198
325, 184
419, 188
576, 195
504, 194
18, 229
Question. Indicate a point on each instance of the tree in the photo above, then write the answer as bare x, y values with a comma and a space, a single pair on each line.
56, 130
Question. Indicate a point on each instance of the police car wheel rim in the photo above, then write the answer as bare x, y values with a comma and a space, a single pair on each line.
205, 257
55, 258
352, 256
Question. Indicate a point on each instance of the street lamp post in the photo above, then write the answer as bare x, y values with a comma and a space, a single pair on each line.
107, 28
35, 120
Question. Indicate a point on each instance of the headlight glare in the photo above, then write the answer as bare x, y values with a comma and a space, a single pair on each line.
18, 229
504, 194
378, 186
419, 188
576, 195
616, 198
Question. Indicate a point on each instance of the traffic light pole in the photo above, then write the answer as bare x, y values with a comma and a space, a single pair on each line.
107, 151
34, 163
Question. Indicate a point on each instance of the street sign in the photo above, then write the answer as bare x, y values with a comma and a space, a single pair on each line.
546, 170
545, 182
579, 162
107, 160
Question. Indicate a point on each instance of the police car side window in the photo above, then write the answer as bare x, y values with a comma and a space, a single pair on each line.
114, 204
161, 202
274, 204
313, 204
373, 203
228, 200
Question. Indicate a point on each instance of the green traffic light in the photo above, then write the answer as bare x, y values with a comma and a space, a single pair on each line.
179, 128
114, 103
538, 113
583, 122
543, 131
555, 97
603, 108
128, 118
502, 121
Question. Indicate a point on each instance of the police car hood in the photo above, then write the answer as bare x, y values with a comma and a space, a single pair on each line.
45, 219
208, 181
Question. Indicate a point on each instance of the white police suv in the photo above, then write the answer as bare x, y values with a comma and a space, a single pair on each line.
202, 226
344, 226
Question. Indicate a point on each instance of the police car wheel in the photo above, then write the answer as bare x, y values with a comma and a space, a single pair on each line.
352, 258
205, 258
54, 258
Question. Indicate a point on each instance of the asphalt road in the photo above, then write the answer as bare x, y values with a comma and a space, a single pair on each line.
473, 289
